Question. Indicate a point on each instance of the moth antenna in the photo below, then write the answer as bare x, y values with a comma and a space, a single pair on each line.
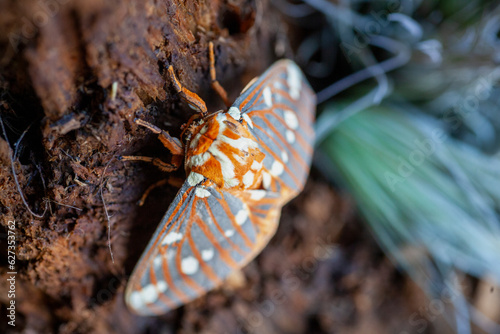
213, 76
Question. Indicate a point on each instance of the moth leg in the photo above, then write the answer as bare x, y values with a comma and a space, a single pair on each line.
174, 181
171, 143
214, 83
151, 188
163, 166
194, 101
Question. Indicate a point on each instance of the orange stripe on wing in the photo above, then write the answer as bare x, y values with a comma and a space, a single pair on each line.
305, 146
258, 89
207, 270
169, 225
238, 228
166, 274
223, 253
221, 231
167, 301
300, 138
295, 155
185, 278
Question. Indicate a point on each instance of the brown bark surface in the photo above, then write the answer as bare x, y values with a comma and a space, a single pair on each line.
59, 62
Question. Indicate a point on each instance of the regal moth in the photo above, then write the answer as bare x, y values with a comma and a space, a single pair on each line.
243, 164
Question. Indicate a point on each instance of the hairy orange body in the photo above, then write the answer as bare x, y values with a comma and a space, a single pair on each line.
223, 150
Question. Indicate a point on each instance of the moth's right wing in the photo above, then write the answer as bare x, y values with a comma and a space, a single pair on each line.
279, 109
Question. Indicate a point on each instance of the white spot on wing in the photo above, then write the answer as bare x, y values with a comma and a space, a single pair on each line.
229, 233
207, 254
257, 194
162, 286
290, 136
248, 120
268, 97
234, 113
171, 254
266, 180
276, 168
171, 238
189, 265
149, 294
201, 192
157, 261
248, 178
294, 81
290, 119
194, 178
284, 156
135, 300
241, 216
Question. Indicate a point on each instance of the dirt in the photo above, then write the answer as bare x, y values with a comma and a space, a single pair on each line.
60, 60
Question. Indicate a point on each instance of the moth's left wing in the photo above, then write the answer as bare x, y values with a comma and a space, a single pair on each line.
206, 234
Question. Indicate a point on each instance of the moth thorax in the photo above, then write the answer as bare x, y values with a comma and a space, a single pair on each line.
224, 151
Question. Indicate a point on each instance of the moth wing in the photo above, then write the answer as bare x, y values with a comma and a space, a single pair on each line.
279, 109
205, 235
